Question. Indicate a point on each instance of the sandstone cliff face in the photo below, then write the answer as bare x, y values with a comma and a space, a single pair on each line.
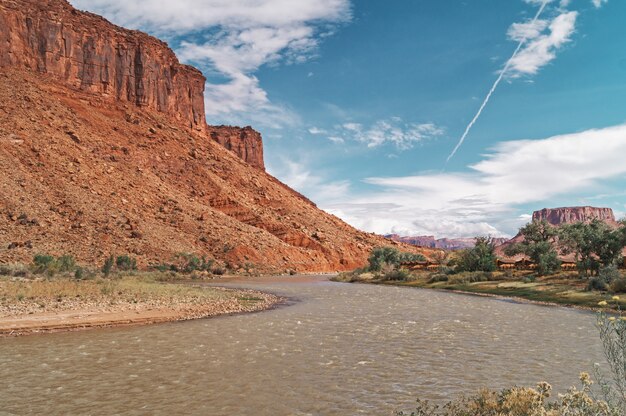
568, 215
91, 178
86, 52
244, 142
104, 150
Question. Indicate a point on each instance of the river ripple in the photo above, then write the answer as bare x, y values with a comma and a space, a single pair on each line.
339, 349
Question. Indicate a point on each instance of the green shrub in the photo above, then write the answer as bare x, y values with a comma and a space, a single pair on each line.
529, 279
479, 258
382, 256
396, 275
107, 267
597, 283
44, 263
480, 277
609, 273
619, 285
163, 267
6, 271
126, 263
79, 273
438, 277
66, 263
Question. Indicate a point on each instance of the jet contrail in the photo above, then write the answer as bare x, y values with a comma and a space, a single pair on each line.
495, 85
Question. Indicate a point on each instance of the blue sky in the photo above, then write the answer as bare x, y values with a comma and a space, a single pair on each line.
361, 102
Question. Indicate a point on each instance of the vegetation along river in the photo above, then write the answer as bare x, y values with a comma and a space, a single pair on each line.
337, 349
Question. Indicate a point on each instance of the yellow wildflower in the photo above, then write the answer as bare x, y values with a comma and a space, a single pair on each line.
603, 303
615, 298
612, 318
586, 379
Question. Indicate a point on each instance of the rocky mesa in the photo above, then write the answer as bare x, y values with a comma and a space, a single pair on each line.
104, 149
568, 215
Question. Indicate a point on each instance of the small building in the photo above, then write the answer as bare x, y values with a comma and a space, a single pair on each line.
569, 265
420, 265
505, 264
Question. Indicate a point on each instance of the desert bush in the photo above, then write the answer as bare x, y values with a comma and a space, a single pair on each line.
613, 335
162, 267
529, 279
6, 270
79, 273
66, 263
107, 267
480, 277
438, 277
396, 275
44, 263
219, 271
609, 273
522, 401
606, 276
619, 285
597, 283
126, 263
393, 257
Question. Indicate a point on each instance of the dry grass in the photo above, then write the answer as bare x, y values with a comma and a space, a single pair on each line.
20, 296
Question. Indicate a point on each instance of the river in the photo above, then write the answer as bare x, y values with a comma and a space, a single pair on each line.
336, 349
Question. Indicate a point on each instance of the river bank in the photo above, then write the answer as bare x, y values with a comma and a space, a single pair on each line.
65, 304
558, 290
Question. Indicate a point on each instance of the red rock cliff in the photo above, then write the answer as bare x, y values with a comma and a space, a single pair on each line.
87, 52
244, 142
558, 216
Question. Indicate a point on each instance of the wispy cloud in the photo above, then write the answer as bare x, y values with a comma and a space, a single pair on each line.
234, 39
543, 41
393, 131
486, 200
522, 33
299, 176
599, 3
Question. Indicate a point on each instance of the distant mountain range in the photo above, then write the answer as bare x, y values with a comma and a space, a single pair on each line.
441, 243
555, 216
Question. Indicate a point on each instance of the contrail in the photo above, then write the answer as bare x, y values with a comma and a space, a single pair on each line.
495, 85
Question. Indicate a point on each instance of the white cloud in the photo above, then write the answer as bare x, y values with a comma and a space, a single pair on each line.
485, 200
317, 131
298, 176
543, 42
234, 38
527, 31
393, 131
599, 3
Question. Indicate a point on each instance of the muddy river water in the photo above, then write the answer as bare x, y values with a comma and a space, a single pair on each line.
336, 349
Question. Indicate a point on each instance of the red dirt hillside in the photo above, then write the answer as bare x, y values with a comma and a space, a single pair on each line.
104, 150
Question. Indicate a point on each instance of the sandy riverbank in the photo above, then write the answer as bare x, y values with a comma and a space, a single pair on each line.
31, 307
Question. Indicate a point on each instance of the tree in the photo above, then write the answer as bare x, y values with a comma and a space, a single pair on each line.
480, 258
538, 244
595, 244
390, 256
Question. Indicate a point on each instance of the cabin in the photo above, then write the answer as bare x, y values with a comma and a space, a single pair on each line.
420, 265
569, 265
525, 264
505, 264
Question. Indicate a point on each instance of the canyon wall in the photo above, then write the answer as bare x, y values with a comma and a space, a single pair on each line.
244, 142
87, 52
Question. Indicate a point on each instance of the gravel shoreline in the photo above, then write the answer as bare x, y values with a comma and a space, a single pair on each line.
124, 307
